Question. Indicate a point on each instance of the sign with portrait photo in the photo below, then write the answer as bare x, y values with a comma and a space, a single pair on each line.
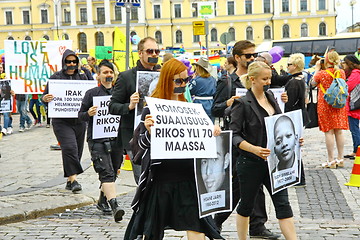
283, 134
213, 178
105, 125
181, 130
68, 95
6, 100
145, 84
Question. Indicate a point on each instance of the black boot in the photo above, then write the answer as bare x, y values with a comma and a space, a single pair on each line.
117, 211
103, 204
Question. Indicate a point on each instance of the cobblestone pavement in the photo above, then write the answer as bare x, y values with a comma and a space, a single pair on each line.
32, 195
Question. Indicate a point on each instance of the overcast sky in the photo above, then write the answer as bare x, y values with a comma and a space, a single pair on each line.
343, 18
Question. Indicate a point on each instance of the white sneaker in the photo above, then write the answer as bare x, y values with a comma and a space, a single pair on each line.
21, 129
28, 126
4, 132
9, 130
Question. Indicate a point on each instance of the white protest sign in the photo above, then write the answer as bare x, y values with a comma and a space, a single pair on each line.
105, 125
240, 92
212, 200
68, 95
181, 130
31, 63
277, 94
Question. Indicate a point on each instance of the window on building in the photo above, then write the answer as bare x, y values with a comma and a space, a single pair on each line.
285, 5
65, 36
304, 30
196, 38
215, 7
26, 17
83, 14
158, 37
231, 8
134, 13
82, 42
157, 13
267, 32
118, 16
249, 33
322, 29
177, 9
46, 37
194, 9
213, 34
286, 31
28, 38
44, 16
9, 19
67, 16
303, 5
100, 15
248, 6
322, 5
178, 38
10, 38
266, 6
99, 39
232, 34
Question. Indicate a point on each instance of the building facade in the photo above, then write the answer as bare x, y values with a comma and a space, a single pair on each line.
91, 23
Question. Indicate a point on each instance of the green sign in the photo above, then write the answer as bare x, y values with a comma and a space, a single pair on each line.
206, 9
103, 52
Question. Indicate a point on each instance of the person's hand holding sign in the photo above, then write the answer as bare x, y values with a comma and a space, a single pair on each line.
48, 98
92, 111
217, 130
134, 99
149, 122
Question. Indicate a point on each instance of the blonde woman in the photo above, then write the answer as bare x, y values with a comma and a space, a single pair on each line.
331, 120
249, 138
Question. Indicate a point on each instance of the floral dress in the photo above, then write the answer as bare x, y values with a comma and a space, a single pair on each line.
329, 117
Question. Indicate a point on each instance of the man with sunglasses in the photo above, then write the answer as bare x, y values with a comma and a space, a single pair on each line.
70, 132
124, 97
244, 54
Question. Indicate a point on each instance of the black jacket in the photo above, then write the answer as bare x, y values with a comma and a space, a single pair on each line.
247, 122
125, 86
226, 88
86, 104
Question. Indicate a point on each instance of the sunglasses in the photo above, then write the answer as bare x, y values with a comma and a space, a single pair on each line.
289, 64
71, 61
249, 55
180, 81
152, 51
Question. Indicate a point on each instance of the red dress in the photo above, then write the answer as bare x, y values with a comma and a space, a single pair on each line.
329, 117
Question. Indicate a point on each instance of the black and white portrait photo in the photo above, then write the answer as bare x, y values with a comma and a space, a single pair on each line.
213, 178
145, 85
283, 134
5, 96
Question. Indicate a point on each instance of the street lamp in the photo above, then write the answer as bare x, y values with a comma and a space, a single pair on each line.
352, 3
56, 2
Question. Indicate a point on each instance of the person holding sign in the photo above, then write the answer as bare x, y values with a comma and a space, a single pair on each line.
249, 138
70, 132
105, 154
124, 97
166, 195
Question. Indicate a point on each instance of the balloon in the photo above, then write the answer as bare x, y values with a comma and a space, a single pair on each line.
276, 52
135, 39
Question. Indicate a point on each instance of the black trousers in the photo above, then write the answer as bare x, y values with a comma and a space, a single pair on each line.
258, 218
106, 164
71, 138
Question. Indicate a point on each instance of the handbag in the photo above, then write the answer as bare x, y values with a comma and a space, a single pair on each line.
354, 101
311, 109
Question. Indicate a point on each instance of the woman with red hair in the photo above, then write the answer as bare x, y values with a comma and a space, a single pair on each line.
166, 196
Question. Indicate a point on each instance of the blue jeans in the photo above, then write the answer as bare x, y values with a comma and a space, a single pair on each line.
7, 120
355, 132
24, 117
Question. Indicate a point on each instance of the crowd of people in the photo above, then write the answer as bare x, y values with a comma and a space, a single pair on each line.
166, 196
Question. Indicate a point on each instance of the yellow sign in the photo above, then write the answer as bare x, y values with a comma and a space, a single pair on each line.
199, 28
